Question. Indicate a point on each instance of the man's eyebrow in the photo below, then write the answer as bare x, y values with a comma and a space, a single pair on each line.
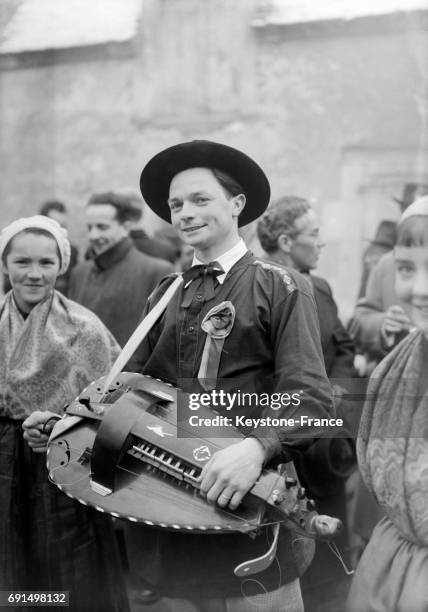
191, 195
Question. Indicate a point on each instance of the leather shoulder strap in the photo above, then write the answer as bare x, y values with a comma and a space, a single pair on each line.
141, 332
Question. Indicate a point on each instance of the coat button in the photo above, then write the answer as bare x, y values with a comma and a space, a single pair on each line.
199, 296
191, 328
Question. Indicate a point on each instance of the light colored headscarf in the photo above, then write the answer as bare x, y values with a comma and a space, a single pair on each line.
418, 208
39, 222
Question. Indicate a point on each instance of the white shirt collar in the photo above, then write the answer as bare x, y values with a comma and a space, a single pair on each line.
227, 260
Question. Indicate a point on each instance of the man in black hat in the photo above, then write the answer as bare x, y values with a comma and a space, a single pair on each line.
117, 280
271, 344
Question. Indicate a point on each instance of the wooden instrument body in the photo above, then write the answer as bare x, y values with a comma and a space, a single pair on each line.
124, 456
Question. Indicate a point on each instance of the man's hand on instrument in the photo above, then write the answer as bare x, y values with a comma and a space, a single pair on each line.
34, 433
231, 472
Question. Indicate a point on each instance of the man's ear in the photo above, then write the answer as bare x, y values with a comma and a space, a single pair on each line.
284, 243
238, 204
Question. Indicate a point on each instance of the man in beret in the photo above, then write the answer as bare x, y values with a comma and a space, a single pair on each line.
271, 343
117, 281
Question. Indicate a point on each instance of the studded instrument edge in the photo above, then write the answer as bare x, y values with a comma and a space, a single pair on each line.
122, 453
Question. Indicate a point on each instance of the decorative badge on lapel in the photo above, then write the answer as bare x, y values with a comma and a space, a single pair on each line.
217, 323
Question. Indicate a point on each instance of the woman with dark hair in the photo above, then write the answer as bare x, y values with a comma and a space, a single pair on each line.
50, 349
393, 444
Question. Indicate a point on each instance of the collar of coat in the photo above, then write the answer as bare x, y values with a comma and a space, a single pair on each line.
113, 255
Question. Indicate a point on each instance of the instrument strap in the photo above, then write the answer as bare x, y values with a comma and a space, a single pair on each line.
255, 566
141, 332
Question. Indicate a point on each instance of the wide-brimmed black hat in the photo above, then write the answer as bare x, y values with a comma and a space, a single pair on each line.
157, 175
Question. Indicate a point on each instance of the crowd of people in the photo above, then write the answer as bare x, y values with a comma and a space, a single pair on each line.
63, 323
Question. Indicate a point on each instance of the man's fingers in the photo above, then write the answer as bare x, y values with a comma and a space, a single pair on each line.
214, 492
225, 496
204, 471
207, 481
236, 499
217, 490
231, 472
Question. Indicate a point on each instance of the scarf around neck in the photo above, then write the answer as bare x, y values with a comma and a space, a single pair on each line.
47, 359
393, 438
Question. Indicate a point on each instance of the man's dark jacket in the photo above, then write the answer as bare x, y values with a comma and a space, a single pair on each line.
273, 346
337, 347
116, 284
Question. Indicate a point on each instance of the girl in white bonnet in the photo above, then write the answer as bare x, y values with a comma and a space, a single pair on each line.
50, 349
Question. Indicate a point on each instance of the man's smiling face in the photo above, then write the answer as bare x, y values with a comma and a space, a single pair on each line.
204, 214
104, 230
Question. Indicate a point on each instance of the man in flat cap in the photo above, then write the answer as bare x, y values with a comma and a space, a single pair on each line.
267, 322
116, 282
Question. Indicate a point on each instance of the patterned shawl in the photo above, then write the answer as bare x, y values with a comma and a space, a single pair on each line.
47, 359
393, 438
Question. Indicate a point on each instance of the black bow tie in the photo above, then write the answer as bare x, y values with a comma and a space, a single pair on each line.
212, 269
206, 275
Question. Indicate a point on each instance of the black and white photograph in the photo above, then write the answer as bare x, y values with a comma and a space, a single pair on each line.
214, 305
